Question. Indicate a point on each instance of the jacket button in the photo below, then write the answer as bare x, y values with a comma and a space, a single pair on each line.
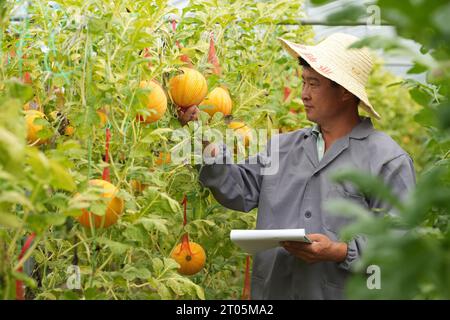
308, 214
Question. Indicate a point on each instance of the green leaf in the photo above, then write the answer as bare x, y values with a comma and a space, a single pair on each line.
347, 208
130, 273
61, 179
15, 198
369, 185
143, 273
158, 265
171, 264
116, 248
70, 295
200, 292
94, 294
174, 205
176, 286
157, 135
417, 68
46, 296
420, 96
426, 117
39, 163
9, 220
11, 144
28, 281
165, 203
201, 226
151, 223
19, 90
364, 222
163, 291
443, 114
96, 25
135, 234
52, 219
59, 200
98, 209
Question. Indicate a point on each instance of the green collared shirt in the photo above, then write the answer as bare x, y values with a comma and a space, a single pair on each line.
320, 142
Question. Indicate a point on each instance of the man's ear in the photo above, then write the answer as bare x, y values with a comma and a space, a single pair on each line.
347, 95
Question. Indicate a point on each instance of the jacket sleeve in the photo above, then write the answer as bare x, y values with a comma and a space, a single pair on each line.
397, 173
235, 186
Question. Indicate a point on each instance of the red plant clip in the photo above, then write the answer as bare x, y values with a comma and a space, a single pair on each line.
147, 54
185, 237
287, 93
246, 290
212, 56
105, 175
20, 288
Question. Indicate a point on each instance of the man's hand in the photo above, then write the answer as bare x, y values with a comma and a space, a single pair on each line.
210, 149
321, 249
188, 114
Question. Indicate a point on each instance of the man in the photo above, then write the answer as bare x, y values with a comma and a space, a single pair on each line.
334, 79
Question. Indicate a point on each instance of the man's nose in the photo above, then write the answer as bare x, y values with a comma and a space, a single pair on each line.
305, 94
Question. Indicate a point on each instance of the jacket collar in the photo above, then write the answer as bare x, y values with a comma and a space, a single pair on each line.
360, 131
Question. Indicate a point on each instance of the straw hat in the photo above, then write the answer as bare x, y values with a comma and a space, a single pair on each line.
332, 59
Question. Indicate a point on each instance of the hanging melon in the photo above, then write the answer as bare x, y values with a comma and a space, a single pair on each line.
218, 100
155, 102
188, 89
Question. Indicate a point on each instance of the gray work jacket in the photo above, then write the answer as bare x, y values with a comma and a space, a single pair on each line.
294, 198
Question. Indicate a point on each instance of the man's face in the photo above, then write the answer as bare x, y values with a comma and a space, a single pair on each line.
322, 100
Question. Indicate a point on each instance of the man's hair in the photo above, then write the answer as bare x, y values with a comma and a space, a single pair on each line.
305, 64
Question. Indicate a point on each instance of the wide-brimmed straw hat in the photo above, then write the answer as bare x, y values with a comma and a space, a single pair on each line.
333, 59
